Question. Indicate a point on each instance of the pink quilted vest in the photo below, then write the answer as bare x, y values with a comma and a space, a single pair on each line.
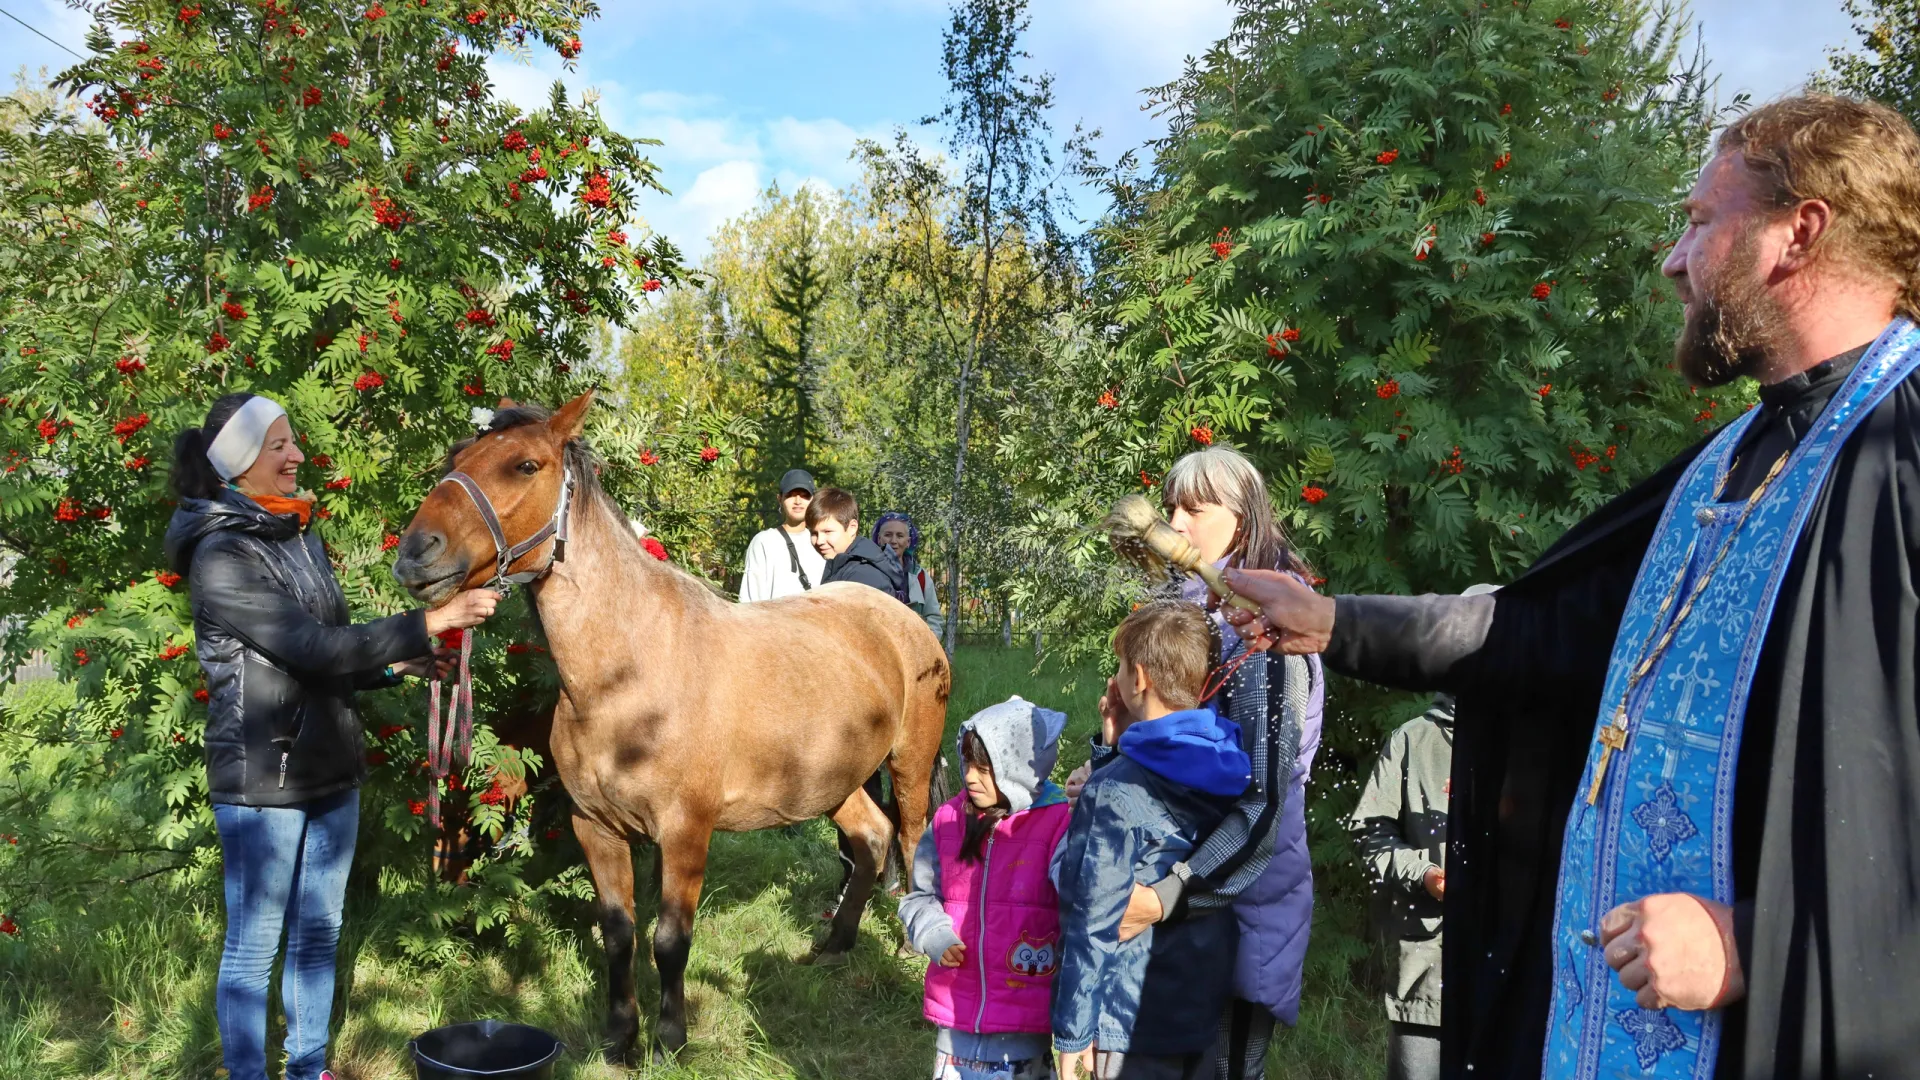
1008, 916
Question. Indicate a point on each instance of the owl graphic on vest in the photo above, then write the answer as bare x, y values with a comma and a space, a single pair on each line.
1034, 959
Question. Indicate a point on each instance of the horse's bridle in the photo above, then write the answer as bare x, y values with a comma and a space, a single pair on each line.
505, 555
450, 746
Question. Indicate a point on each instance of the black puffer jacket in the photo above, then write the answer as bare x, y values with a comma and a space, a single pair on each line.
869, 564
281, 657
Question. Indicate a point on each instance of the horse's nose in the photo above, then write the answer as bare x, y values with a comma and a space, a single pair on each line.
421, 548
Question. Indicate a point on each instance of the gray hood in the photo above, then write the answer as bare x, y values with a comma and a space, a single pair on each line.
1023, 742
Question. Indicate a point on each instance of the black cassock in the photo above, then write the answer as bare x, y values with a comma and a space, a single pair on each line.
1826, 826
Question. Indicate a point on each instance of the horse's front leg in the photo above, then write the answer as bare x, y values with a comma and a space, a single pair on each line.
610, 859
683, 870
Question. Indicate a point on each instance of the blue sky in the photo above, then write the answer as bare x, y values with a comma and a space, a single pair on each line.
748, 92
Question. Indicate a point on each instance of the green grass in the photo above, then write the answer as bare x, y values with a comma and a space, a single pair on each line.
123, 985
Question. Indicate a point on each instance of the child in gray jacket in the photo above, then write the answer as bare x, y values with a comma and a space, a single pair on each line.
1401, 825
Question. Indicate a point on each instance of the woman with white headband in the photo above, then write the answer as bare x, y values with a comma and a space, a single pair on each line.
285, 753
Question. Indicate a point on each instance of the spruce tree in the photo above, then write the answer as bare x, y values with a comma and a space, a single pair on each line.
788, 342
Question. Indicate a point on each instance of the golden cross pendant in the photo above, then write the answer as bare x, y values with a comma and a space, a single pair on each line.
1612, 737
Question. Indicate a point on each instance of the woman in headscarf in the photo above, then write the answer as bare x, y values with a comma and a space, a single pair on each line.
897, 533
285, 752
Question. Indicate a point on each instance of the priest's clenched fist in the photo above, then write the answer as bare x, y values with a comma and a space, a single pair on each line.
1676, 950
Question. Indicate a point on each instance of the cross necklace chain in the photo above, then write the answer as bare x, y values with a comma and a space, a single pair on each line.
1613, 736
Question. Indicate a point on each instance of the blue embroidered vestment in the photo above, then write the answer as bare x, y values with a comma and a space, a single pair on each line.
1663, 819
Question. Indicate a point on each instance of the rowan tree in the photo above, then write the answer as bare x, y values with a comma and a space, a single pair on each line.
333, 206
1407, 256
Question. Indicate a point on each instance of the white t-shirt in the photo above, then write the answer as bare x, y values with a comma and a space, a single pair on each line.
769, 571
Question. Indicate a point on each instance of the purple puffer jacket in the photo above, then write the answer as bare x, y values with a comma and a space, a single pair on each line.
1276, 911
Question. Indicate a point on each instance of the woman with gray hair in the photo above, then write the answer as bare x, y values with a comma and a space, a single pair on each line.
1256, 860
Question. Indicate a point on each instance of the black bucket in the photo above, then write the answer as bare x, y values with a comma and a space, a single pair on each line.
490, 1048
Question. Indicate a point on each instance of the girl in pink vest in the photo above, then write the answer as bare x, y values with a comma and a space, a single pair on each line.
982, 907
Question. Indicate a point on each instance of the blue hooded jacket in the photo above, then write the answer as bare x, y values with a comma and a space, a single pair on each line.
1194, 748
1141, 811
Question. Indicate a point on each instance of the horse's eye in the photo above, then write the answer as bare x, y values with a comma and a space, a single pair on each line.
528, 468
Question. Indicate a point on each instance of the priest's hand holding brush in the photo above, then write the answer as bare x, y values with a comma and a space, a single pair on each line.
1291, 617
1141, 536
1269, 608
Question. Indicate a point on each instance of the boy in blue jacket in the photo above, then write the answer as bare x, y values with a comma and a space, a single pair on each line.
1148, 1008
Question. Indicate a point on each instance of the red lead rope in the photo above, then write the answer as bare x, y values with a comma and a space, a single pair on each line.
1217, 679
442, 751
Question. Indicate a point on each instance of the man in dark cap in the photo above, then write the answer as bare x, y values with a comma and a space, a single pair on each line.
781, 561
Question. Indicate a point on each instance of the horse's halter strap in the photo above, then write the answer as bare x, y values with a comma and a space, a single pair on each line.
505, 555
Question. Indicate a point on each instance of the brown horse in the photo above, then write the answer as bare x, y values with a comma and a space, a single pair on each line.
680, 713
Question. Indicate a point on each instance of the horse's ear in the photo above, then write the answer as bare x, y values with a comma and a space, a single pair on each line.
569, 418
507, 403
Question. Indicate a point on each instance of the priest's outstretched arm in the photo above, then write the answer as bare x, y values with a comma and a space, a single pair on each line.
1519, 642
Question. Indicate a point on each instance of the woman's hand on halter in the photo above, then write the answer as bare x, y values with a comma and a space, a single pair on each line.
436, 666
1293, 619
466, 609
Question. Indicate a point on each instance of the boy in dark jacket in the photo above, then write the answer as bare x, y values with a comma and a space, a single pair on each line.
833, 517
1149, 1007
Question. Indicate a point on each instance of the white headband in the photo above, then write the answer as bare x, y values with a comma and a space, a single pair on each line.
237, 446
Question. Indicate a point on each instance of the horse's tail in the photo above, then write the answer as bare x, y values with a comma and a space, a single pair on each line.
898, 858
940, 786
914, 766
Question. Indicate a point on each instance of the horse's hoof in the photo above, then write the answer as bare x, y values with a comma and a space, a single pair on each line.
829, 959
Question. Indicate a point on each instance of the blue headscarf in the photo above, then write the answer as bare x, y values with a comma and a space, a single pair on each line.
910, 563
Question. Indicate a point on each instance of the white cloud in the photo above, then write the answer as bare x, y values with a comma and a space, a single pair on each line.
725, 189
690, 216
529, 86
698, 139
823, 147
790, 182
714, 160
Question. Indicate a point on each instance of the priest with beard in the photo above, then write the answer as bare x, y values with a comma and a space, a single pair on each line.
1685, 831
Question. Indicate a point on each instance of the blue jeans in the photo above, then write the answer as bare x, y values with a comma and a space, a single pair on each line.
286, 868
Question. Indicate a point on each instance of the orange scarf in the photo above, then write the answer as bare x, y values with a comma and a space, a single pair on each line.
280, 505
